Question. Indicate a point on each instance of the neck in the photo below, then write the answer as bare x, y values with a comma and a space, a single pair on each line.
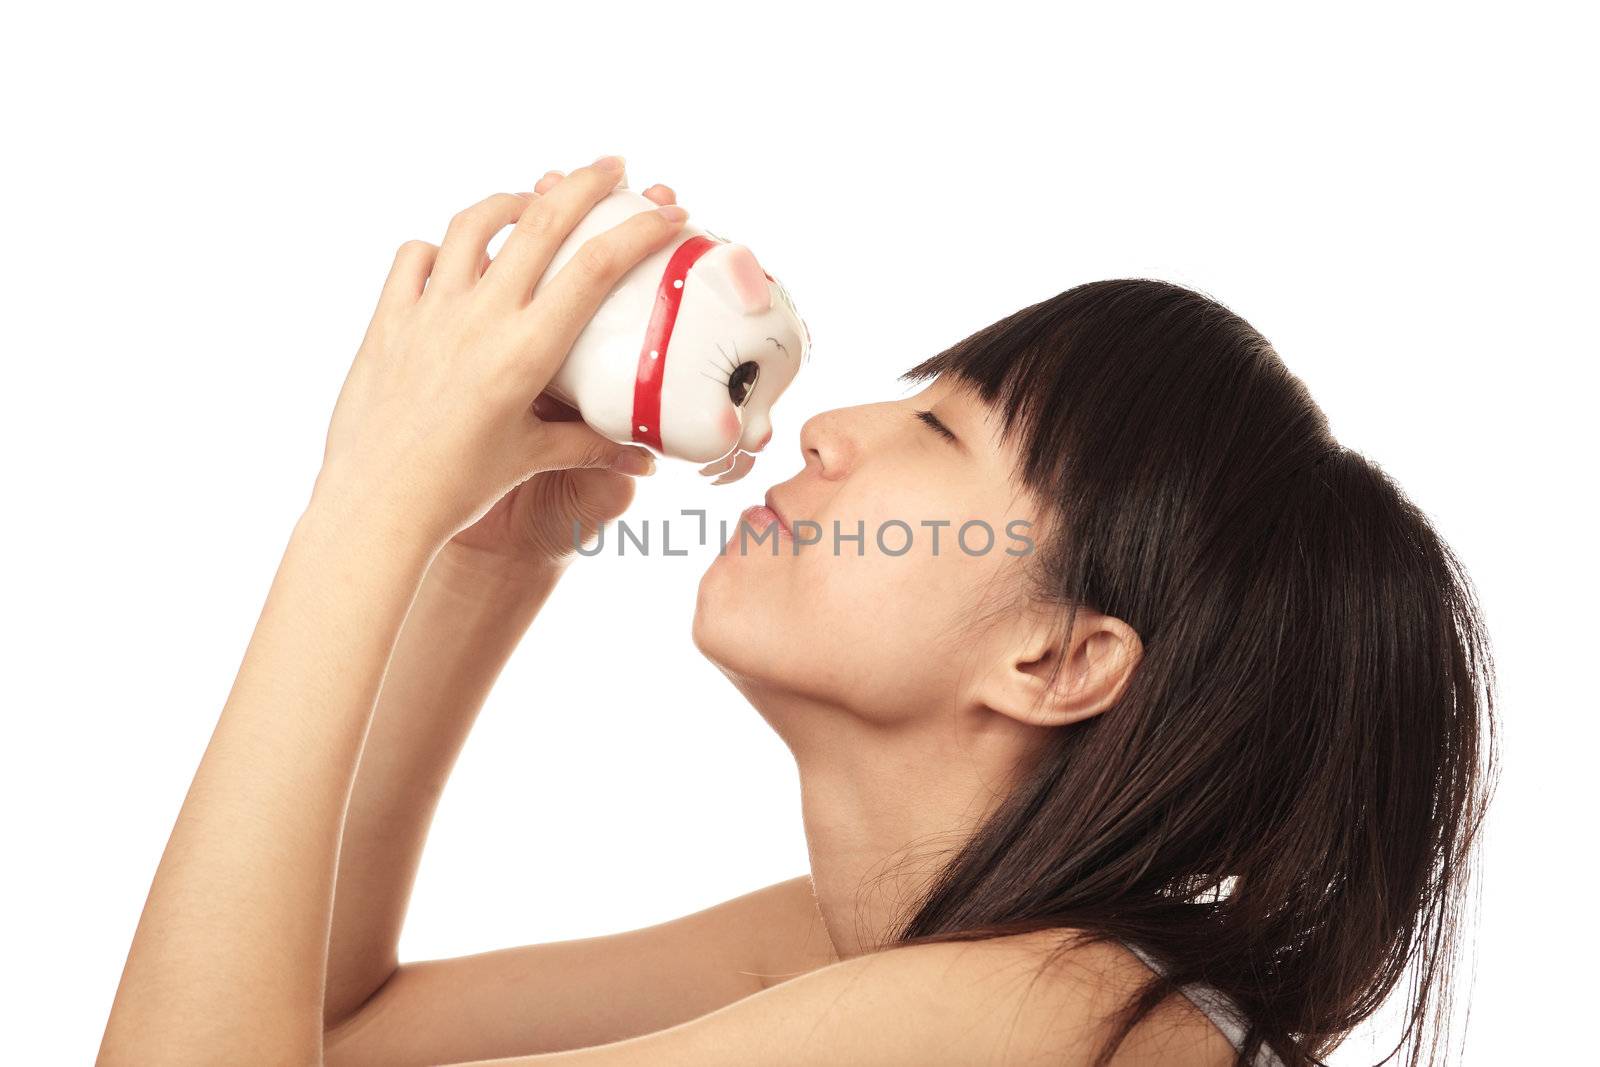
885, 809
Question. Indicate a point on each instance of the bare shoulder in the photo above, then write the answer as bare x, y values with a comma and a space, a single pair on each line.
780, 927
1039, 998
1053, 997
1093, 981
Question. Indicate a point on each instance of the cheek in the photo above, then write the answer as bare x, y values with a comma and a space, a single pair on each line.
730, 426
884, 636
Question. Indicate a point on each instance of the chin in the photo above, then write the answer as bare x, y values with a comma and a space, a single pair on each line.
729, 628
711, 605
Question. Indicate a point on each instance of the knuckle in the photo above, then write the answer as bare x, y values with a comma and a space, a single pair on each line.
536, 221
473, 216
484, 206
595, 258
593, 502
413, 247
573, 502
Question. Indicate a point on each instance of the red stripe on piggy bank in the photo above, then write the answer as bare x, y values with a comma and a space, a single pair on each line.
690, 350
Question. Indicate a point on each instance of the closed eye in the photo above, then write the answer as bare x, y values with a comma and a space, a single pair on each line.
930, 419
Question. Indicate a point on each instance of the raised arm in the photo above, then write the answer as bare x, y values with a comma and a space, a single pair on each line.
483, 590
465, 622
433, 425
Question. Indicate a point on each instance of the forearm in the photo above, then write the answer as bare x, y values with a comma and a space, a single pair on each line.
468, 617
227, 963
434, 423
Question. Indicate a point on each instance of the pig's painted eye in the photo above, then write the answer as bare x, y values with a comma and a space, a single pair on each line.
742, 381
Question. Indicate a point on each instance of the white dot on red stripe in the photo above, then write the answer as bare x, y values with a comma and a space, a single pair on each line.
654, 353
644, 429
677, 283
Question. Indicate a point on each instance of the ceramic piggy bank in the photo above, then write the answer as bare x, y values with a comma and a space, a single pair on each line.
690, 350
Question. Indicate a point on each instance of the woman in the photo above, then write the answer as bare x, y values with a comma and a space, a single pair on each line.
1190, 773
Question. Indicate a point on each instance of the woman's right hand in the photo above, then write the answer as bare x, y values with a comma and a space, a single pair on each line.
534, 522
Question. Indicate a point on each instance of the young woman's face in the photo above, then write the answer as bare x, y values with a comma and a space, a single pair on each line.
884, 624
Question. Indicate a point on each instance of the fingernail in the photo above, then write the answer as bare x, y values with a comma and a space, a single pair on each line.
634, 461
610, 164
672, 212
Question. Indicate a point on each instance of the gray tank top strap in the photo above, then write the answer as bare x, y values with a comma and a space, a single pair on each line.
1219, 1008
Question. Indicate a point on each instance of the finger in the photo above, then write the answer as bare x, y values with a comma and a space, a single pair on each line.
661, 194
598, 496
408, 275
484, 260
545, 225
468, 235
569, 300
567, 445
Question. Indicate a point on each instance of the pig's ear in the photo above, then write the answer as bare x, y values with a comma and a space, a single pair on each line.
738, 279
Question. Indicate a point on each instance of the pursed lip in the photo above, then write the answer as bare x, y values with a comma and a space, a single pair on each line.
783, 517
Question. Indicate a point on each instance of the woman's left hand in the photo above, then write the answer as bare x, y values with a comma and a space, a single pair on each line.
542, 521
435, 421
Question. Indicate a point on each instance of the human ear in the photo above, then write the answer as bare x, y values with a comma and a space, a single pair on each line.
1050, 677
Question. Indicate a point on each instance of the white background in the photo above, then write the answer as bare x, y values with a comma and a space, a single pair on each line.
200, 204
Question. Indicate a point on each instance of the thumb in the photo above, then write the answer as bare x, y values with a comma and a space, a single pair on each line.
567, 445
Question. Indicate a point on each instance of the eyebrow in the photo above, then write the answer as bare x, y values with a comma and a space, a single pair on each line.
938, 426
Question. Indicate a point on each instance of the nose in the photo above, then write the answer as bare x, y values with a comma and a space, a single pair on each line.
826, 443
762, 441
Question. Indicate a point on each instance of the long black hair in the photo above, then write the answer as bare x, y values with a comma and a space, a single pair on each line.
1285, 800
